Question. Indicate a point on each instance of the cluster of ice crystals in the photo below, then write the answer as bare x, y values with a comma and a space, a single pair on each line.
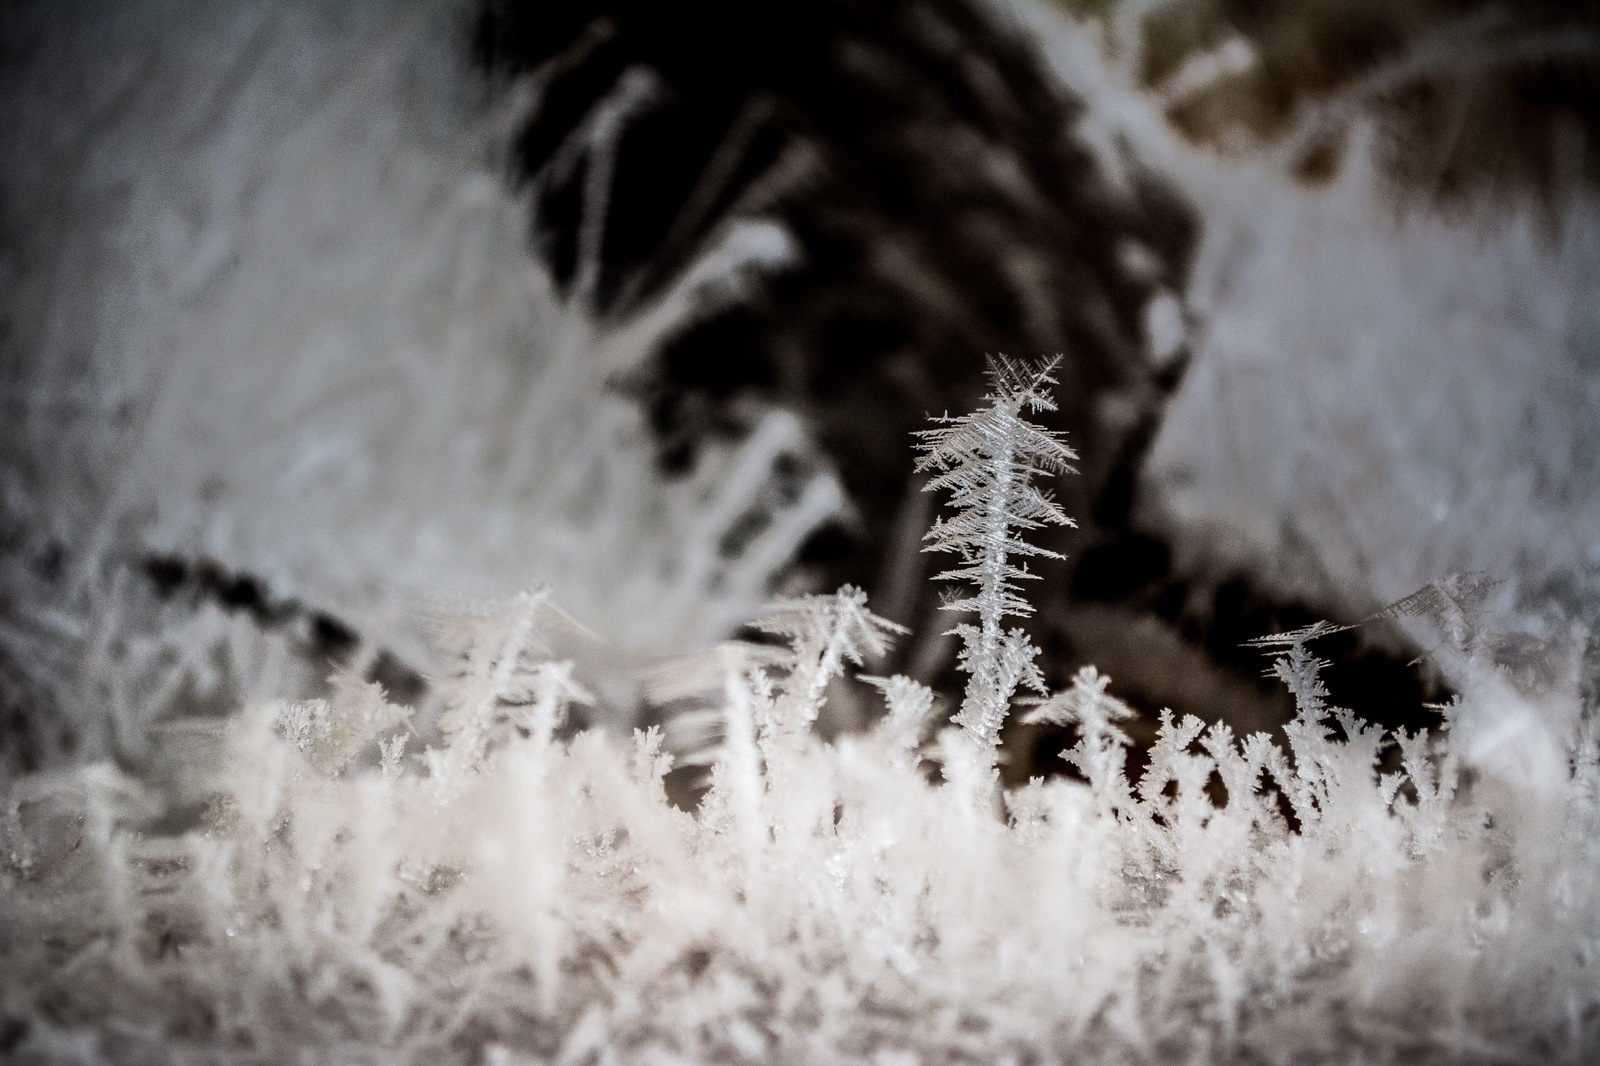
310, 888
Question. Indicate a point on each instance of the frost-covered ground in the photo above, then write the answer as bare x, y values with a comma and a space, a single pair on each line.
268, 302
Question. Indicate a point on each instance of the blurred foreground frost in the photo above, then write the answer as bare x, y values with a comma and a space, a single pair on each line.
325, 358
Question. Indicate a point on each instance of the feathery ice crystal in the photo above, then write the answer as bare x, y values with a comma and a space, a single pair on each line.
987, 460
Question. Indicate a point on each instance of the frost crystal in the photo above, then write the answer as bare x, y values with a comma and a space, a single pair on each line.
987, 461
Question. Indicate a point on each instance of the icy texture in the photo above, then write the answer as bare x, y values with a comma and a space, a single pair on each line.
270, 303
1378, 395
987, 461
509, 892
222, 367
1375, 403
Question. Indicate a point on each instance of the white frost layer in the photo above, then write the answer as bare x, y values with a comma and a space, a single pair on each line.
511, 894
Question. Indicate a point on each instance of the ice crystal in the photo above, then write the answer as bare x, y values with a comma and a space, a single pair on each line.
987, 461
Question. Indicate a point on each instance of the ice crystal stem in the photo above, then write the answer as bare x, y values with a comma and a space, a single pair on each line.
986, 460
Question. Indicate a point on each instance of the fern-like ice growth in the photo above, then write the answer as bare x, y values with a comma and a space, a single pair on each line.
767, 699
987, 461
504, 682
1102, 744
822, 634
909, 705
328, 737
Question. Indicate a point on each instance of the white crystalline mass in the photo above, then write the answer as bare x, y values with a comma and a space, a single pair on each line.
287, 321
831, 903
